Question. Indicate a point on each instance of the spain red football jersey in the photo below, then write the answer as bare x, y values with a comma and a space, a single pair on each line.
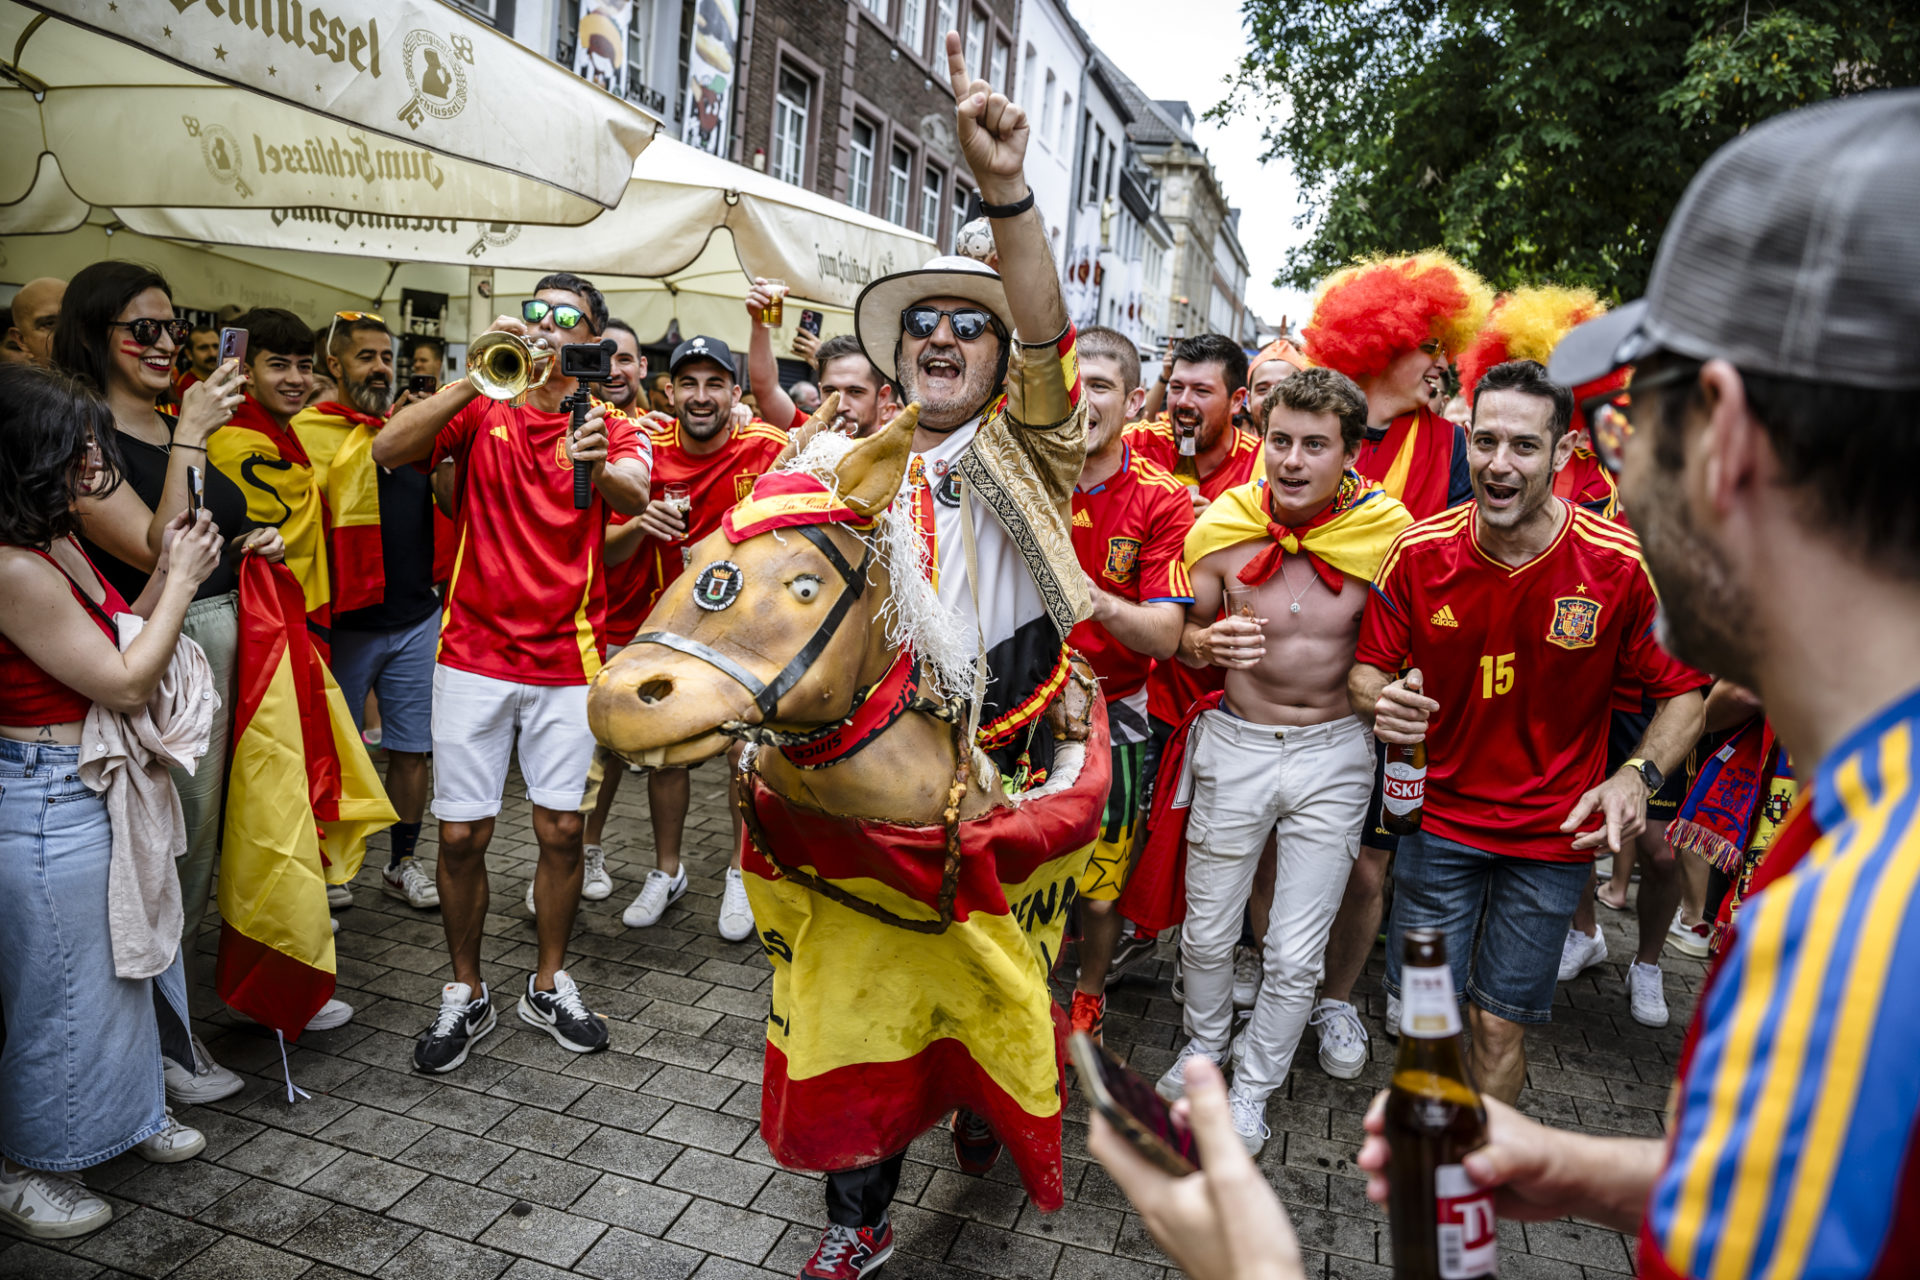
527, 598
1174, 686
1128, 532
1523, 662
717, 482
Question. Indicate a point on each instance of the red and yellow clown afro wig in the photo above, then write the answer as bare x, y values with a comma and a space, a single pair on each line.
1368, 314
1526, 325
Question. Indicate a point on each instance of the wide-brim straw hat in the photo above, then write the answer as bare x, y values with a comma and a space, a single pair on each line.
876, 313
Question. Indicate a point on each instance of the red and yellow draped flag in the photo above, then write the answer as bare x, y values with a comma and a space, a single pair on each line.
877, 1030
301, 802
273, 470
339, 444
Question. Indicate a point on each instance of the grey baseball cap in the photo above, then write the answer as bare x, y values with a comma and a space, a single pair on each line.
1795, 251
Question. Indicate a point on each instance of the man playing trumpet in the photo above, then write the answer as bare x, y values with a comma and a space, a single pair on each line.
521, 637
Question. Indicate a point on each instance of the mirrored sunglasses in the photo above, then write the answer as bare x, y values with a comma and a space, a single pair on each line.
968, 322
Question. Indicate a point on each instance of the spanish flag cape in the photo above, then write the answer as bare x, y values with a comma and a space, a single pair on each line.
1350, 537
1413, 462
301, 801
273, 470
339, 444
878, 1031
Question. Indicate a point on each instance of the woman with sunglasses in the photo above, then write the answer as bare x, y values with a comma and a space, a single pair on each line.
80, 1073
118, 333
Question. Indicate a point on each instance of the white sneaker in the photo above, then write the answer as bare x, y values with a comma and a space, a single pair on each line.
172, 1144
658, 893
595, 884
411, 885
736, 914
1581, 951
1246, 976
1646, 994
1249, 1120
203, 1081
1179, 980
1174, 1083
335, 922
1393, 1018
1689, 940
339, 897
1343, 1038
334, 1013
49, 1206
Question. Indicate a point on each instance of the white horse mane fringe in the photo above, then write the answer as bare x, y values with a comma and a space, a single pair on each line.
914, 616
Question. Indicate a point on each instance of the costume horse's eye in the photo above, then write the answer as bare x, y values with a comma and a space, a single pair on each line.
805, 588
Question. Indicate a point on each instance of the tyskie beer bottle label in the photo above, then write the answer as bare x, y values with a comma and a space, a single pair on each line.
1428, 1010
1404, 788
1469, 1244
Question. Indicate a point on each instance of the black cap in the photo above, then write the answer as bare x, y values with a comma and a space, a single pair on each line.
1792, 253
701, 347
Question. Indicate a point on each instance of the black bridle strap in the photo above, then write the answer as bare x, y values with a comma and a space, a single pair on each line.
767, 696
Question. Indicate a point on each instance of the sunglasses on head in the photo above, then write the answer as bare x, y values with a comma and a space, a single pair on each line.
968, 322
146, 330
352, 318
534, 310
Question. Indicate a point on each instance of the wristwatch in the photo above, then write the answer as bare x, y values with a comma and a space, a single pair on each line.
1649, 773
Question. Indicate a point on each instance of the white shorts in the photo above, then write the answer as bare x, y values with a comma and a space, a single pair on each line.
475, 719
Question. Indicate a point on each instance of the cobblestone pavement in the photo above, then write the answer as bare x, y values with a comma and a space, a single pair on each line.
644, 1163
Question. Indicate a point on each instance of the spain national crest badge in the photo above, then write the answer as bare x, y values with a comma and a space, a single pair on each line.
1576, 622
743, 486
1123, 555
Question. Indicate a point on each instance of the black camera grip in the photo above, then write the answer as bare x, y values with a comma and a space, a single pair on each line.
582, 471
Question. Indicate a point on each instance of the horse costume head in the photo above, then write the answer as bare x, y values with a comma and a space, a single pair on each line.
807, 599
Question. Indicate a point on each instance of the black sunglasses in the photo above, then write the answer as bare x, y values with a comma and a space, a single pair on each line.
534, 310
146, 330
968, 322
1610, 418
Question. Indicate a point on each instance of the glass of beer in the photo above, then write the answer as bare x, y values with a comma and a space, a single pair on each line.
1239, 600
777, 295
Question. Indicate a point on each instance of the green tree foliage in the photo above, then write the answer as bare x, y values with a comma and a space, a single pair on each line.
1537, 141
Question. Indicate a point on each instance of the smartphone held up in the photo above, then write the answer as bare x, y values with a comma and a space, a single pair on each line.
1130, 1105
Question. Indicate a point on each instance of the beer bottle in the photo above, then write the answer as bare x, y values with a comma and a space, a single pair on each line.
1403, 790
1442, 1226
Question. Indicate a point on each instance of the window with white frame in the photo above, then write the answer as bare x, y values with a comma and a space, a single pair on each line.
792, 104
976, 42
931, 189
899, 176
876, 7
1046, 108
860, 166
998, 78
913, 23
960, 197
1065, 141
1028, 84
945, 16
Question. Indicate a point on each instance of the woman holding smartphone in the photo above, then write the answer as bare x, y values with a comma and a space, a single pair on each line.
118, 334
80, 1074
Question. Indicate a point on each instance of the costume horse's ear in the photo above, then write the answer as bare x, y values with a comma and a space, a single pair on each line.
870, 473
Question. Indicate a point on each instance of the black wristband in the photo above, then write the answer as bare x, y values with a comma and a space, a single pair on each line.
1013, 210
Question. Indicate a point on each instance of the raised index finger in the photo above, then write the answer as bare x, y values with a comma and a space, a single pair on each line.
957, 67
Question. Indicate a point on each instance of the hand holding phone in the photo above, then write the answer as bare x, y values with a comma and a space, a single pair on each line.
810, 321
1135, 1111
423, 384
196, 492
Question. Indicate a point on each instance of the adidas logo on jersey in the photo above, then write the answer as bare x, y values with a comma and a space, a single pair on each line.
1443, 617
501, 431
1081, 520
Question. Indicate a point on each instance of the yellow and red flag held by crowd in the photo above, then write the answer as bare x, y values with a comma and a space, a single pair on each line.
302, 800
890, 1010
273, 470
339, 444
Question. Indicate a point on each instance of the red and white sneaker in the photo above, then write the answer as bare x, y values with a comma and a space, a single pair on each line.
1089, 1014
847, 1253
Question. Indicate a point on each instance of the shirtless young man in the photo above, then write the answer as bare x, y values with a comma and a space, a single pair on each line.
1282, 752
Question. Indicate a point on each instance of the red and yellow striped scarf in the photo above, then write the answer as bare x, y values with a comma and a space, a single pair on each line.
339, 441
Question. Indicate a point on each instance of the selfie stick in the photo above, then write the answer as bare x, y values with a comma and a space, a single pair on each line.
577, 405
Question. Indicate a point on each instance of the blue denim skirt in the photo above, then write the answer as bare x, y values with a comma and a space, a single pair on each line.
80, 1074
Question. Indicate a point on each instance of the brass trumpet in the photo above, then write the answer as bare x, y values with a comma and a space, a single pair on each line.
501, 365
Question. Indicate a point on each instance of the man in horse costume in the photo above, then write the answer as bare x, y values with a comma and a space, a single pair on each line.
885, 621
